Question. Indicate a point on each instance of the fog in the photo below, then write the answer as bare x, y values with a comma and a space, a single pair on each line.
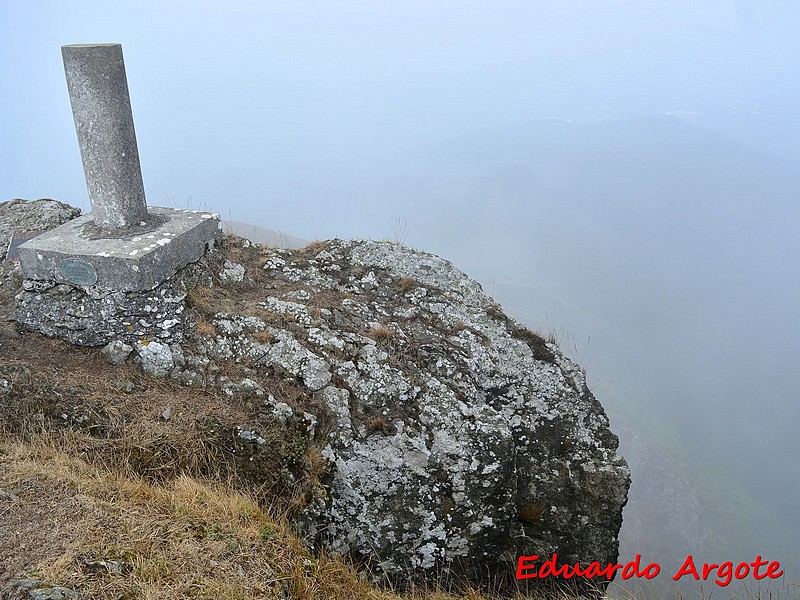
621, 173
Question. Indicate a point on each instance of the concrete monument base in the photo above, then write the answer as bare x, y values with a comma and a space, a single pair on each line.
134, 259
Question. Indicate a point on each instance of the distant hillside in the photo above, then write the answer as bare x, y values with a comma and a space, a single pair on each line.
262, 235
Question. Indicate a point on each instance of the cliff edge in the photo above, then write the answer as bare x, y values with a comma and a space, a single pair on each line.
442, 439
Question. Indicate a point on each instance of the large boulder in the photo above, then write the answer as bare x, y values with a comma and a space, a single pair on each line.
20, 216
457, 439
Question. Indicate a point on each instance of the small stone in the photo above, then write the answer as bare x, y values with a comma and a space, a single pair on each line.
187, 378
310, 421
232, 272
177, 355
7, 496
280, 410
9, 332
124, 386
112, 567
116, 352
39, 590
155, 358
251, 387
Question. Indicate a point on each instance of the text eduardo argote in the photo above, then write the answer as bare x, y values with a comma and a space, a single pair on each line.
722, 574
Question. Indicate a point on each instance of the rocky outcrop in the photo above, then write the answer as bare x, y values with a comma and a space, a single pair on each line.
457, 439
20, 216
454, 439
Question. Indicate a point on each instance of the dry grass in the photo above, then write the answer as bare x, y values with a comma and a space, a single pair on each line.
204, 328
263, 337
183, 538
202, 299
112, 416
379, 333
405, 284
531, 513
277, 319
375, 424
315, 247
535, 342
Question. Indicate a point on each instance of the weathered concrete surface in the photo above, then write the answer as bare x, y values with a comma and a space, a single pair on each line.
137, 260
124, 303
101, 108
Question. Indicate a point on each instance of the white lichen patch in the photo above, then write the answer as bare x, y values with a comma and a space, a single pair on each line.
287, 354
232, 272
155, 358
298, 312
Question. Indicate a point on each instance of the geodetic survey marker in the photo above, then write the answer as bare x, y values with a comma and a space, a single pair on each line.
120, 245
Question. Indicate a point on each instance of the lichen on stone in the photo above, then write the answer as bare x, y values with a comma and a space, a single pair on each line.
443, 420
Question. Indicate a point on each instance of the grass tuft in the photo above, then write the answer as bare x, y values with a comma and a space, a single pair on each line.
405, 284
379, 333
531, 513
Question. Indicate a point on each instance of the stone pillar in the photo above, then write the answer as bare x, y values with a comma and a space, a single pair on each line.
101, 107
121, 246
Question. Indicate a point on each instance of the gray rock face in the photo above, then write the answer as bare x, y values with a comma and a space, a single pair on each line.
232, 272
38, 590
156, 358
116, 352
457, 439
19, 216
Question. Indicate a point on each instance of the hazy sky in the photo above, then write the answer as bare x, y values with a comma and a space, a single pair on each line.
630, 168
249, 108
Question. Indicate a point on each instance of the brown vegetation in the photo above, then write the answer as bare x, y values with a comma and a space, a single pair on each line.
405, 284
531, 513
380, 333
